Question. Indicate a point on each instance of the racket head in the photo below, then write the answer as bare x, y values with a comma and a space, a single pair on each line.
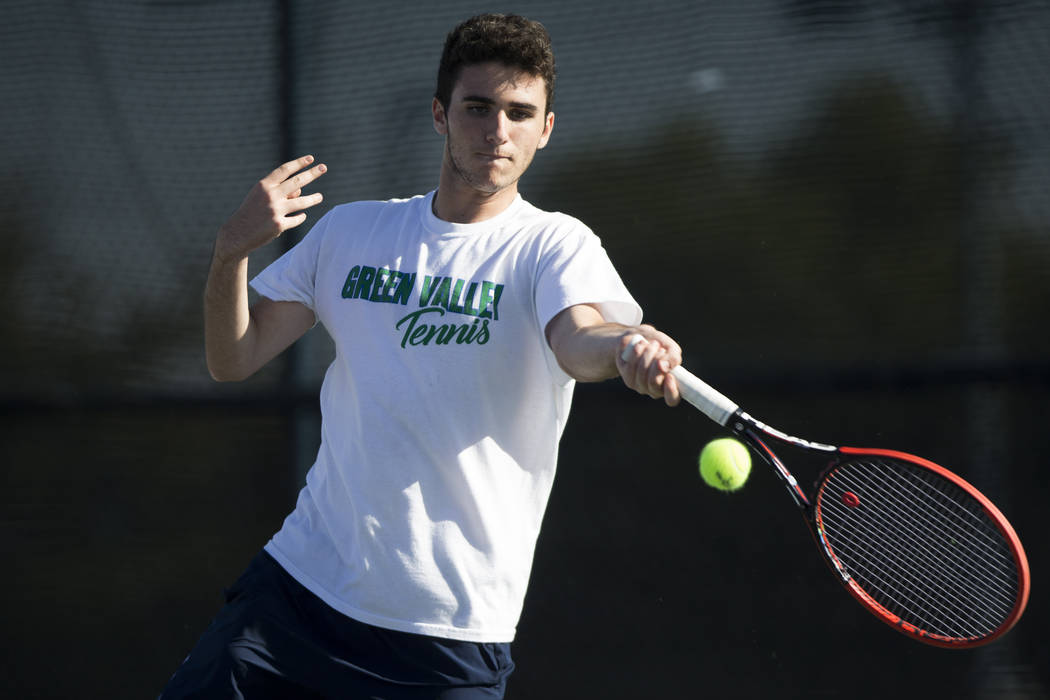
920, 548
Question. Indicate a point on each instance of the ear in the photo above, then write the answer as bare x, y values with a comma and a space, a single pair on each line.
440, 120
547, 128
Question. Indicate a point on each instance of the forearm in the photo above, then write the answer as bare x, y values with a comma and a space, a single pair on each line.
588, 353
239, 339
227, 319
590, 349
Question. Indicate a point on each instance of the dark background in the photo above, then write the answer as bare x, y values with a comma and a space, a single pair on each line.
840, 209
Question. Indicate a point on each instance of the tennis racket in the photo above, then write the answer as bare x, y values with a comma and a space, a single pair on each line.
915, 544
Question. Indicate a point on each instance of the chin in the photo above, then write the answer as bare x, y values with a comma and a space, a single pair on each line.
488, 186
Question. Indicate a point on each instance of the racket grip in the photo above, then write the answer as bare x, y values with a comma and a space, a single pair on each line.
708, 400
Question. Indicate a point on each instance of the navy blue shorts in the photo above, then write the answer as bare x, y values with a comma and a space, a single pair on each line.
275, 639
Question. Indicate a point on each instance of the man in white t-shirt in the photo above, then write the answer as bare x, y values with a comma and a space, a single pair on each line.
461, 320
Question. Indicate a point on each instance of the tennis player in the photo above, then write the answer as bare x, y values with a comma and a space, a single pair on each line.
462, 319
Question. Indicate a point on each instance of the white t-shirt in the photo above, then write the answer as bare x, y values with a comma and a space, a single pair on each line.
442, 411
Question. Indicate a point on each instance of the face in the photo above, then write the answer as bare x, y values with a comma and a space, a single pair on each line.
494, 124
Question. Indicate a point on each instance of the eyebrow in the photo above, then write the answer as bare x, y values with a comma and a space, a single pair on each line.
490, 101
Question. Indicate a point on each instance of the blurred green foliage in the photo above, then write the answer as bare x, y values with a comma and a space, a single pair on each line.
844, 244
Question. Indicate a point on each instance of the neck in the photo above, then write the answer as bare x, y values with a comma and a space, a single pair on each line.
459, 204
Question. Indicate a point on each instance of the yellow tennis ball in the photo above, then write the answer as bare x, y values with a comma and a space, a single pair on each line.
725, 464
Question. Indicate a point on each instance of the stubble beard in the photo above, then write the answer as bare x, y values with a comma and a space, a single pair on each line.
470, 179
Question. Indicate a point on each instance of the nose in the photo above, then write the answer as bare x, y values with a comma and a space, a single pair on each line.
497, 132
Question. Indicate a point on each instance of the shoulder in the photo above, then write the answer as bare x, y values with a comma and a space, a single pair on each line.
356, 223
374, 208
531, 214
359, 217
555, 234
553, 227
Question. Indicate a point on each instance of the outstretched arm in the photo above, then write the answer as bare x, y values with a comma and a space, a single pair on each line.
238, 339
590, 349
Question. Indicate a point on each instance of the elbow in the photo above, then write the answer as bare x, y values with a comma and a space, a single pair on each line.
224, 377
221, 372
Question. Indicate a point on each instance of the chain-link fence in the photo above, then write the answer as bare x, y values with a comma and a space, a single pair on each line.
840, 208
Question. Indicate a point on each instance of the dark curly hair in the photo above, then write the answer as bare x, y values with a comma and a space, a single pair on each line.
509, 39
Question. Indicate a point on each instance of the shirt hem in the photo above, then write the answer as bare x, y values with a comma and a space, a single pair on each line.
422, 628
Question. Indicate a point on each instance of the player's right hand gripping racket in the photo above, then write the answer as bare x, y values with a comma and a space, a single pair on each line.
915, 544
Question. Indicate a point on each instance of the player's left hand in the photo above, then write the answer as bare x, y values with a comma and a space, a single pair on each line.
647, 366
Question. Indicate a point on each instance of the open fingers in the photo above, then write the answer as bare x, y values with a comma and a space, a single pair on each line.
286, 170
296, 204
292, 176
301, 179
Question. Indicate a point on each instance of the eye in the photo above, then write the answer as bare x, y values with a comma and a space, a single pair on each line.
477, 109
520, 115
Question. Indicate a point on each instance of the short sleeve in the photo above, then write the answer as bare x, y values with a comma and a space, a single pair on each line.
577, 270
293, 276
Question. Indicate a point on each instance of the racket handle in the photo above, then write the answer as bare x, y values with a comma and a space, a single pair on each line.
708, 400
705, 397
